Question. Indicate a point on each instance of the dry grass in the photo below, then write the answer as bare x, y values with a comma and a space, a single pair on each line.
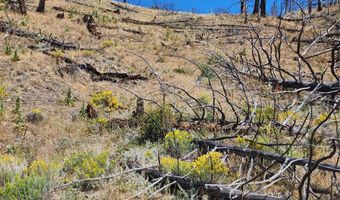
36, 78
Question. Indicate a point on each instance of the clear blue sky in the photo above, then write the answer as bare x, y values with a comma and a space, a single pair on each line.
201, 6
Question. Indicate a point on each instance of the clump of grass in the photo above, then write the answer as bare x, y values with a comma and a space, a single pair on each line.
72, 12
87, 53
107, 44
15, 56
35, 116
7, 49
156, 123
3, 95
19, 120
83, 165
69, 99
182, 70
24, 182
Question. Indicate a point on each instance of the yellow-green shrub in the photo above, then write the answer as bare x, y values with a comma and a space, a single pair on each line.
29, 182
177, 143
107, 43
284, 115
207, 168
210, 167
105, 99
87, 165
3, 94
176, 166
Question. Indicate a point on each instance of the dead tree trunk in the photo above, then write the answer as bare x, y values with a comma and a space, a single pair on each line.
263, 8
256, 7
319, 5
41, 6
309, 6
242, 6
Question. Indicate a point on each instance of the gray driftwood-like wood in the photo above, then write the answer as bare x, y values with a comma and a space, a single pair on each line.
50, 41
207, 144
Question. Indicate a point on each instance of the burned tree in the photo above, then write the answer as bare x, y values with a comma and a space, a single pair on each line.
41, 6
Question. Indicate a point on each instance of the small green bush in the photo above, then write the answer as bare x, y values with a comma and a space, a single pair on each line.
7, 49
87, 165
19, 120
178, 143
35, 116
69, 99
24, 183
157, 122
3, 95
15, 56
30, 187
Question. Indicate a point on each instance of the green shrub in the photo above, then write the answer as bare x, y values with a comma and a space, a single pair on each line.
24, 183
19, 120
69, 99
87, 165
7, 49
3, 95
264, 114
178, 143
106, 100
35, 116
107, 44
156, 123
30, 187
207, 168
15, 56
182, 70
207, 72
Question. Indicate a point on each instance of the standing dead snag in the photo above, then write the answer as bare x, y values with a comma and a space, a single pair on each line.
91, 25
41, 6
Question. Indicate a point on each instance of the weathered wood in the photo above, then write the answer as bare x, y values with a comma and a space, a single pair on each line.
213, 191
98, 76
53, 42
220, 192
207, 144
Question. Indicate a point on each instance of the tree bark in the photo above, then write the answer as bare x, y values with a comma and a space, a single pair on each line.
286, 6
263, 8
242, 6
309, 6
319, 5
256, 7
41, 6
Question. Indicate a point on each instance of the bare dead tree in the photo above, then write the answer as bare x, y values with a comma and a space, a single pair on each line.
41, 6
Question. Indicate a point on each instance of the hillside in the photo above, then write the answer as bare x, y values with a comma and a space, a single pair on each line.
70, 79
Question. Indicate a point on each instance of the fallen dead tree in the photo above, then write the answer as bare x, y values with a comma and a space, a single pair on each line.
210, 145
98, 76
50, 41
189, 23
213, 191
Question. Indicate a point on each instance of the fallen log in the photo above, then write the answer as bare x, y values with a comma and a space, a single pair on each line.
220, 192
213, 191
53, 42
93, 6
208, 144
98, 76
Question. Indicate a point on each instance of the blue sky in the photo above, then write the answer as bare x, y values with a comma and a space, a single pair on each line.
200, 6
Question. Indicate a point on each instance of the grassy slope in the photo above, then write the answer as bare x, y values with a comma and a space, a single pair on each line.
36, 80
